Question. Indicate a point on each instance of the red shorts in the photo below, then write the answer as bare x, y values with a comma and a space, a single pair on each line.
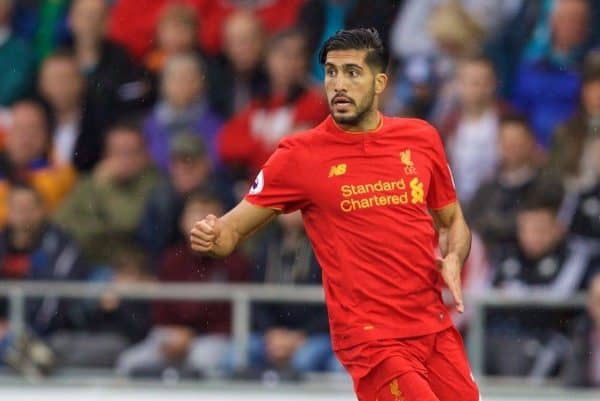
428, 368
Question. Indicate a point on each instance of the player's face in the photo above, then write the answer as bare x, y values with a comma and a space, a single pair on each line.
352, 86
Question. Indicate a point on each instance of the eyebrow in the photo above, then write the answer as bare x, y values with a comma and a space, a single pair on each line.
344, 66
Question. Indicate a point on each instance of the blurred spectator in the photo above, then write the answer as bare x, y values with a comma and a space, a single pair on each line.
290, 339
61, 85
116, 87
111, 324
176, 33
471, 128
26, 157
321, 19
181, 108
414, 16
582, 367
16, 60
456, 34
189, 169
571, 156
492, 211
132, 22
190, 336
546, 257
548, 80
288, 105
236, 75
31, 248
581, 210
105, 208
275, 16
546, 261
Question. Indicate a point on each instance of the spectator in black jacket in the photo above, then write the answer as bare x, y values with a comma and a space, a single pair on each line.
116, 86
236, 76
31, 248
290, 339
582, 367
111, 324
546, 261
189, 169
582, 209
492, 211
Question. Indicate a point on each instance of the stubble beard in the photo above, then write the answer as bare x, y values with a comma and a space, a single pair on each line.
361, 111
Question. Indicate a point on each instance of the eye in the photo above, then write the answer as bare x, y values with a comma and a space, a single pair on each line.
353, 73
330, 73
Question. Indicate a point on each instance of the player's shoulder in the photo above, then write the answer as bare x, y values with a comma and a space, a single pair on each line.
410, 123
302, 139
416, 127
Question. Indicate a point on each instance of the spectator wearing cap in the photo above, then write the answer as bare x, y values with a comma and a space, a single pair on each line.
570, 156
288, 105
27, 157
192, 337
190, 168
104, 209
182, 107
16, 60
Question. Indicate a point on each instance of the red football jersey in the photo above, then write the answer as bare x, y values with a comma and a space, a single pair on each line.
364, 199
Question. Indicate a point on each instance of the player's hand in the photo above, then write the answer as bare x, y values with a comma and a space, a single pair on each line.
205, 234
450, 268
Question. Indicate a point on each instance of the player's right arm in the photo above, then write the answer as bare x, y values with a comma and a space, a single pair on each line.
218, 237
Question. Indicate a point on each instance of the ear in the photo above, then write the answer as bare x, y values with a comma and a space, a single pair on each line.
380, 83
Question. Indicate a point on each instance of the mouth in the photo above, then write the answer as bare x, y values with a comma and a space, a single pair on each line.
342, 103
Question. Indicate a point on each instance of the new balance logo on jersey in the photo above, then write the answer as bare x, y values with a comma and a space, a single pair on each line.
337, 170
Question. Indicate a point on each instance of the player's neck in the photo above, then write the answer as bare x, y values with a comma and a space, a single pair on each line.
371, 121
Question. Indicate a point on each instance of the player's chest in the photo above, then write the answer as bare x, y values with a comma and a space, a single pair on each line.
359, 181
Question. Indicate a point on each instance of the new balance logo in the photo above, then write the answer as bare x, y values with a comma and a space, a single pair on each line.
337, 170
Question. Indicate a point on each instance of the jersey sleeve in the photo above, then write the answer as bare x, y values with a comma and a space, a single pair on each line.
442, 191
279, 185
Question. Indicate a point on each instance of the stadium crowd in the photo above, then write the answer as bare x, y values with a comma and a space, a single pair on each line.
124, 121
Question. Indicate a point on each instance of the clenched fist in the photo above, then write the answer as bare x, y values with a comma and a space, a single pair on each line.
205, 234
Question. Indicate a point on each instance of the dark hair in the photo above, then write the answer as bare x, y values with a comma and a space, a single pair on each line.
547, 194
130, 125
519, 119
279, 37
591, 74
358, 39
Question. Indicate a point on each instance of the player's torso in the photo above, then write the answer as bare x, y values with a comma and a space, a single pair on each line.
380, 175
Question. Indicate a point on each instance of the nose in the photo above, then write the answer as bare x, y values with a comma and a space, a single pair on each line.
339, 84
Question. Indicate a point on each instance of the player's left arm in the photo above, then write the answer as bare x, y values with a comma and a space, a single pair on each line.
455, 244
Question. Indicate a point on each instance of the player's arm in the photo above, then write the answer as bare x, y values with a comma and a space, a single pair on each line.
455, 244
218, 237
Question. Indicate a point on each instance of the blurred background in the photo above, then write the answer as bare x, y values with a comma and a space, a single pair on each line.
124, 121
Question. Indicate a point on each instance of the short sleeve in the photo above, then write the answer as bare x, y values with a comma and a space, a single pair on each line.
279, 184
442, 191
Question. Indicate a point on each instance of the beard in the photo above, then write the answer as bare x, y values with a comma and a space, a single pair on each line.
362, 110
